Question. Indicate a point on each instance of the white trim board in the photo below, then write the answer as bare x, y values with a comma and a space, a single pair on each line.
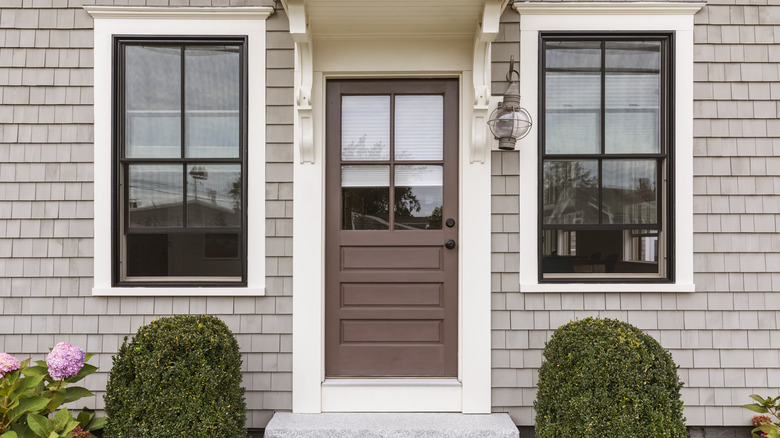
671, 17
110, 21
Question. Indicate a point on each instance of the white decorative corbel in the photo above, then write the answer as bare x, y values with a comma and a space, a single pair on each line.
486, 34
299, 30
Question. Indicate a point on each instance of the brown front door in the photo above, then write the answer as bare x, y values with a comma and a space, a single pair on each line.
391, 215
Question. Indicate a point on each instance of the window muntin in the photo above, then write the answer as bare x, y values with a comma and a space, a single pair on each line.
181, 161
604, 157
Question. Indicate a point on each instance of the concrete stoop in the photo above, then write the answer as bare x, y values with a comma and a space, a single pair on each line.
386, 425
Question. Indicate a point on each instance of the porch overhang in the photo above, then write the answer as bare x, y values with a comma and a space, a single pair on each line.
354, 19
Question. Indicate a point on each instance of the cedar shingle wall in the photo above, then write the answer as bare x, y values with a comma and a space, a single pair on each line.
46, 208
725, 336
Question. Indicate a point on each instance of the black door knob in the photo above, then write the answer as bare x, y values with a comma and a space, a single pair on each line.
450, 222
449, 244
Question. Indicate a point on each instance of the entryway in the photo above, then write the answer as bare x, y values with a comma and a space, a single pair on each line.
391, 263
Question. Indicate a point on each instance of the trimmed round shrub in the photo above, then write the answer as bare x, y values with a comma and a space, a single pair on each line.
179, 377
606, 378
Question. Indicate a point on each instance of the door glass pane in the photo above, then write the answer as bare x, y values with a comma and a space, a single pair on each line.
419, 127
630, 192
572, 97
155, 195
365, 197
600, 251
633, 97
152, 102
418, 197
571, 194
214, 195
183, 255
212, 100
365, 128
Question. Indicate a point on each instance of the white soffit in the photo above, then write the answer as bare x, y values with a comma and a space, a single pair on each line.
350, 18
608, 8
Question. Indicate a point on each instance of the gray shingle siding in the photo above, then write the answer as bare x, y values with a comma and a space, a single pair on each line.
46, 208
725, 337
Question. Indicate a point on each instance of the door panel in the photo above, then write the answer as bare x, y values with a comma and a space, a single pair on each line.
391, 284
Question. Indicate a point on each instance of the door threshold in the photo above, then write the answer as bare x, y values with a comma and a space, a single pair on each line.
390, 382
392, 395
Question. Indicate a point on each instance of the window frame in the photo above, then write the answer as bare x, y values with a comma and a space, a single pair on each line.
664, 158
120, 178
672, 17
249, 21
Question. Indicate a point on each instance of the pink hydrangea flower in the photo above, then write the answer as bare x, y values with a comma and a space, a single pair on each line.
65, 360
8, 363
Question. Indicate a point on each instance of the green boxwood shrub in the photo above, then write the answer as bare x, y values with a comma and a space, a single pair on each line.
179, 377
606, 378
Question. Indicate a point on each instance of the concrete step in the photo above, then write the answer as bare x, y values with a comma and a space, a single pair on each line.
386, 425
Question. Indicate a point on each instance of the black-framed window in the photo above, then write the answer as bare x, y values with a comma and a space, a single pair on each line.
605, 160
180, 114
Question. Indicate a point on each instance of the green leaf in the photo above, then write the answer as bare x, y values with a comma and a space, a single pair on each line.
75, 393
761, 400
97, 423
26, 406
25, 384
84, 417
40, 425
756, 408
54, 435
86, 370
36, 371
57, 398
9, 434
69, 427
61, 419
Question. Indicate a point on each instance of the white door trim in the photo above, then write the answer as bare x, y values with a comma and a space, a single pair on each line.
390, 58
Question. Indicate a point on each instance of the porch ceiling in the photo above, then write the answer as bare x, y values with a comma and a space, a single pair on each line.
342, 18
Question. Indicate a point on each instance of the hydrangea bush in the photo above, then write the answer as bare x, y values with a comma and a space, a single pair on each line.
30, 395
766, 427
65, 361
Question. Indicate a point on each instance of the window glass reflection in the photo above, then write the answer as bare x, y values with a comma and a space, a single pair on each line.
630, 194
365, 197
152, 102
572, 97
212, 101
155, 196
213, 195
183, 255
419, 127
365, 128
570, 194
418, 197
600, 251
633, 96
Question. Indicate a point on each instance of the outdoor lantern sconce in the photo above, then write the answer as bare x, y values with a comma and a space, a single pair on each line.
510, 122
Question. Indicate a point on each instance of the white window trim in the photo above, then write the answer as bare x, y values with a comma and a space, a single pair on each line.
232, 21
671, 17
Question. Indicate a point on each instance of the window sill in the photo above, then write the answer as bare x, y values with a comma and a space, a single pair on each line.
177, 291
607, 287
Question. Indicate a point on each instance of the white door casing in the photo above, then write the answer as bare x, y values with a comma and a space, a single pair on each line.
460, 53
